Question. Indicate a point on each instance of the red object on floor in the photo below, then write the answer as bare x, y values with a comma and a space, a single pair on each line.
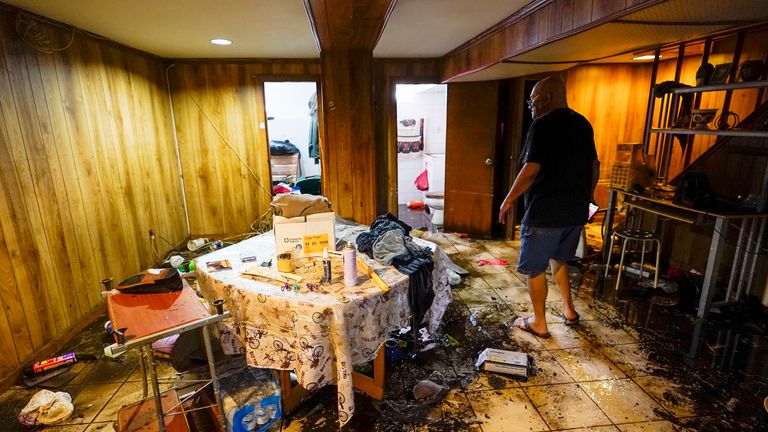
493, 262
415, 204
462, 235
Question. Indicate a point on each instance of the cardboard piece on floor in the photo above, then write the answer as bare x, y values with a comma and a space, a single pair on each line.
502, 361
60, 381
42, 377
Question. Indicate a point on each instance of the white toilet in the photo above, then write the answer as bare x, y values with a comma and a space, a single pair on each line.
436, 203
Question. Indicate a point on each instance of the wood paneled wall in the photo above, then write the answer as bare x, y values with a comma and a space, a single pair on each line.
87, 167
219, 116
613, 97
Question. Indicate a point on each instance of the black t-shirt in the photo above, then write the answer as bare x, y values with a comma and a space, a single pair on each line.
562, 142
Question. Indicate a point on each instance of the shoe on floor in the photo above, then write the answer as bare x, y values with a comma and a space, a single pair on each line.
570, 322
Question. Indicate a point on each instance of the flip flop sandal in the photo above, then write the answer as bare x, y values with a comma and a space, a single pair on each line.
527, 328
570, 322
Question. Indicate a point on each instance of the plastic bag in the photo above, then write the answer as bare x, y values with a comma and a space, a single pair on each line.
422, 182
46, 407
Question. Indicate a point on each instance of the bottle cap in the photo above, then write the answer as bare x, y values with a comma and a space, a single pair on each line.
349, 246
325, 253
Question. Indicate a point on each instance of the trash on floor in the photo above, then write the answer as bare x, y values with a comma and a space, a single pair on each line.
427, 391
40, 378
46, 407
424, 409
163, 348
492, 262
55, 363
502, 361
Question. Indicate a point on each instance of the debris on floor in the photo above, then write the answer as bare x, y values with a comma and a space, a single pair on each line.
503, 361
46, 408
483, 262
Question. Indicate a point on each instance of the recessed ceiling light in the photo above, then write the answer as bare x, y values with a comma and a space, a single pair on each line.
646, 57
220, 41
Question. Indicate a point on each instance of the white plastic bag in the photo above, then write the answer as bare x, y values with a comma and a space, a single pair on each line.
46, 407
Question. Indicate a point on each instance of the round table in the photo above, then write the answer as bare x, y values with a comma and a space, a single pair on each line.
320, 335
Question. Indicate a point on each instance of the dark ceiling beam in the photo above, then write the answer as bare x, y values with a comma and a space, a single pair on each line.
539, 23
346, 31
348, 25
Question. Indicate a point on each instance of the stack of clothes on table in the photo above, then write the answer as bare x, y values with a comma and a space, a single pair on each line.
389, 242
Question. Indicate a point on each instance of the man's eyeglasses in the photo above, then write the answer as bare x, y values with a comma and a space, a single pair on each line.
532, 101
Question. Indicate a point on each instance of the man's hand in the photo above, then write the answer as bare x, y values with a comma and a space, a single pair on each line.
523, 181
503, 210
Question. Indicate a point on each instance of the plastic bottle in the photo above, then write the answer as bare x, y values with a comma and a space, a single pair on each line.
196, 244
176, 261
349, 255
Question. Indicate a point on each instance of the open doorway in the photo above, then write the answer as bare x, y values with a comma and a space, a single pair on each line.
292, 132
421, 124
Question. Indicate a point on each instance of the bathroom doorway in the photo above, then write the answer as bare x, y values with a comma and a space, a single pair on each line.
292, 133
421, 124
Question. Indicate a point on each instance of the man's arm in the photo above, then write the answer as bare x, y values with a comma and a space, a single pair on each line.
595, 177
524, 180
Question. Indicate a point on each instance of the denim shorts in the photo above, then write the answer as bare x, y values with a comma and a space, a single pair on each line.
540, 244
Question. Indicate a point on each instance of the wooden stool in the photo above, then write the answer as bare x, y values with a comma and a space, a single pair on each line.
634, 235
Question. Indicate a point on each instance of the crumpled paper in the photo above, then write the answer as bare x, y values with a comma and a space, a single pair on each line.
46, 407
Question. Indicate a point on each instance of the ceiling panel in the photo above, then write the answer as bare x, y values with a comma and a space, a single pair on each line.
184, 28
693, 11
432, 28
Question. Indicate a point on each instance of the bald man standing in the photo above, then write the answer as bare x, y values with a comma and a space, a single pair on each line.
558, 176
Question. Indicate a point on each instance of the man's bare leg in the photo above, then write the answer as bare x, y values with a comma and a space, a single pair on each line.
537, 289
560, 272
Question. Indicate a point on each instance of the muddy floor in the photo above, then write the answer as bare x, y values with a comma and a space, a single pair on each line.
639, 360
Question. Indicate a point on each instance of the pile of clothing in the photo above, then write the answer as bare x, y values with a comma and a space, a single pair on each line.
389, 242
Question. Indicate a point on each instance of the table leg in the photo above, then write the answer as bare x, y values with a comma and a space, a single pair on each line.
608, 224
214, 381
695, 339
372, 386
143, 369
146, 352
290, 395
710, 274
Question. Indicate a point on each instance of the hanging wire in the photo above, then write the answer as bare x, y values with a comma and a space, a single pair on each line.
29, 31
224, 140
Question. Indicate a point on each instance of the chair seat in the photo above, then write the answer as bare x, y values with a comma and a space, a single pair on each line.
644, 237
636, 234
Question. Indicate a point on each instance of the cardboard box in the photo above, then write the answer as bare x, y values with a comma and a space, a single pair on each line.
506, 362
308, 234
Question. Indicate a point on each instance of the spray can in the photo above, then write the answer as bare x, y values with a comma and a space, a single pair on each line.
326, 268
349, 255
51, 363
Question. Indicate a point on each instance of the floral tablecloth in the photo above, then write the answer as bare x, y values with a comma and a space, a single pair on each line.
319, 335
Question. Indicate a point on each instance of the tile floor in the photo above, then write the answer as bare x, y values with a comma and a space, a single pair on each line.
603, 375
